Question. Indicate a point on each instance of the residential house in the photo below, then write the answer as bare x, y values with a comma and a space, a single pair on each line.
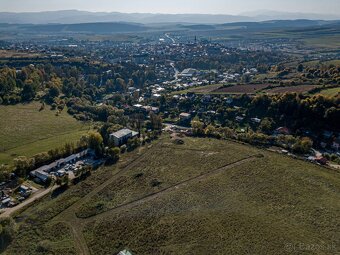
184, 116
189, 72
321, 160
336, 144
122, 136
151, 109
239, 118
256, 120
327, 134
282, 131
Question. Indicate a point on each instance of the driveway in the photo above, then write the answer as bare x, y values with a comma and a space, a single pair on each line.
7, 212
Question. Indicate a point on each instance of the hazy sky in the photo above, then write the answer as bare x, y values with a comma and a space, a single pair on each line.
174, 6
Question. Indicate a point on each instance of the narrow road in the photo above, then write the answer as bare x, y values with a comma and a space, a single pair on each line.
175, 70
169, 37
35, 196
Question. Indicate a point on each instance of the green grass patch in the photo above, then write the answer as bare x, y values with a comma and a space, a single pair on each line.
26, 131
330, 92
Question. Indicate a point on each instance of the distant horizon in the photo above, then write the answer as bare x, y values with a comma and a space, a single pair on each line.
246, 13
215, 7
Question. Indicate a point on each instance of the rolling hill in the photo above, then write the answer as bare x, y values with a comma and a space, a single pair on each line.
205, 196
75, 16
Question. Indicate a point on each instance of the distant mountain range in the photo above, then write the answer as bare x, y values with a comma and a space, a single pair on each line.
262, 15
129, 27
77, 17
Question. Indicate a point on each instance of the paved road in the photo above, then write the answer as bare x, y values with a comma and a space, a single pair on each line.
35, 196
176, 70
169, 37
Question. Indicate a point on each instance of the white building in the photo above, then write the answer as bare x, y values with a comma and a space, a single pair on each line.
122, 136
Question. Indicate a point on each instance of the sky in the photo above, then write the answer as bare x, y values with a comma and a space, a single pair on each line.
174, 6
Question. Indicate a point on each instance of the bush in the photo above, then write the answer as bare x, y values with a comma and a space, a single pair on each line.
123, 148
113, 154
303, 146
6, 233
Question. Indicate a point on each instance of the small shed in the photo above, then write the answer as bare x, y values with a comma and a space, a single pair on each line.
124, 252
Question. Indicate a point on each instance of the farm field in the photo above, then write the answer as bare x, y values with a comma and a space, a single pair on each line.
26, 131
199, 90
205, 196
242, 89
17, 54
330, 92
296, 89
323, 42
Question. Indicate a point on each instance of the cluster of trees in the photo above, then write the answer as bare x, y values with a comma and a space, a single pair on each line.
319, 75
299, 145
87, 81
296, 111
20, 86
323, 74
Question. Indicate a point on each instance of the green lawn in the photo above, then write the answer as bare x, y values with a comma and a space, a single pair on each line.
26, 131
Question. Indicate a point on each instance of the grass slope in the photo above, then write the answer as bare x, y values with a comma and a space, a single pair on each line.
204, 202
330, 92
26, 131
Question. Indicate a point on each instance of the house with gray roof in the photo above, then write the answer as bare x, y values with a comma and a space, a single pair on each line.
122, 136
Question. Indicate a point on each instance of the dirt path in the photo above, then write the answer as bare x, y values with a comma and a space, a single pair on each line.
77, 229
35, 196
68, 216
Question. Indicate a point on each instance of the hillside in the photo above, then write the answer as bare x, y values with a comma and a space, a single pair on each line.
28, 131
289, 27
205, 196
76, 16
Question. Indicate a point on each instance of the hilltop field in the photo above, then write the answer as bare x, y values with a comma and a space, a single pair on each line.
204, 196
26, 131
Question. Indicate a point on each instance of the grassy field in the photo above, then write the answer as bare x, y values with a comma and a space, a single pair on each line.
206, 196
242, 89
326, 42
199, 90
26, 131
331, 92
